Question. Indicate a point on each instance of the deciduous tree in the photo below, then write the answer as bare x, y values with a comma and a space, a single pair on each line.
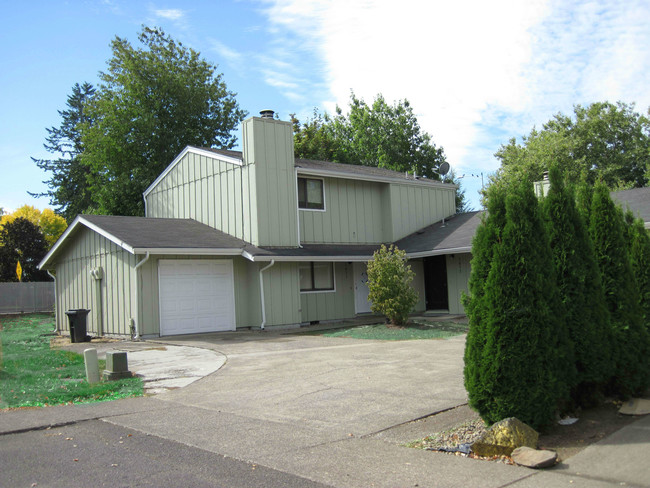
21, 240
50, 224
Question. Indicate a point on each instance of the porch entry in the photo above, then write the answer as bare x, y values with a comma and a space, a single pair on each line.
435, 283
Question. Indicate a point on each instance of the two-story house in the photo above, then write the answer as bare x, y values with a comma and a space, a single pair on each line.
258, 239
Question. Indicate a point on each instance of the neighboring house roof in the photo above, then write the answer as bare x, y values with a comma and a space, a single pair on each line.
139, 235
637, 200
309, 167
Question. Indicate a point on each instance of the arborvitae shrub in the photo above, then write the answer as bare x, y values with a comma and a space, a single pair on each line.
526, 366
630, 346
639, 240
580, 288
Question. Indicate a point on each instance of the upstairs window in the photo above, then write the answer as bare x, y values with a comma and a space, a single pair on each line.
310, 194
316, 276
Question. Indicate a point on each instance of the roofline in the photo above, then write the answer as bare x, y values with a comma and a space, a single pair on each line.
194, 150
412, 255
439, 252
366, 177
232, 251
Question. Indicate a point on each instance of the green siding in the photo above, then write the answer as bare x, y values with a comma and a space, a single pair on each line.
418, 284
416, 206
331, 305
76, 288
458, 268
353, 214
281, 294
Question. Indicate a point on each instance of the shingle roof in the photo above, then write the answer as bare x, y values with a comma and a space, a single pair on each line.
146, 232
455, 235
637, 199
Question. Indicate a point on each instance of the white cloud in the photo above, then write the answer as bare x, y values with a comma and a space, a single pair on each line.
230, 55
170, 13
476, 72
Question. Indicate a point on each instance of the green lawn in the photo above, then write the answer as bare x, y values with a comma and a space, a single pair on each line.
412, 331
32, 374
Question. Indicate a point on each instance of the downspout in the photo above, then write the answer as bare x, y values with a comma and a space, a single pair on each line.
262, 292
136, 324
56, 309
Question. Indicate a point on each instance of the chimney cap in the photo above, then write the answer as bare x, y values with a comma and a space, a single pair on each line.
267, 113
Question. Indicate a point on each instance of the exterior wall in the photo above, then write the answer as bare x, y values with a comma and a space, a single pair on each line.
76, 288
211, 191
354, 214
331, 305
458, 269
268, 149
282, 294
414, 207
418, 284
248, 311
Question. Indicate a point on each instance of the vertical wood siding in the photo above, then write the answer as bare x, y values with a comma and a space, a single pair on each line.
76, 288
282, 294
458, 269
414, 207
418, 284
353, 214
333, 305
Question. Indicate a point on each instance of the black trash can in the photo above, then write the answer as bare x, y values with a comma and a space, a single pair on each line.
77, 318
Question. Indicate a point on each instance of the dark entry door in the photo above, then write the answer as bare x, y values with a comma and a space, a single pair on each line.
435, 283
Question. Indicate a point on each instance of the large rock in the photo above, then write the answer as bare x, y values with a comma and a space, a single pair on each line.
504, 437
533, 458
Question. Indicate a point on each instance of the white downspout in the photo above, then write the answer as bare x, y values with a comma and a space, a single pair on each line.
262, 292
56, 309
137, 297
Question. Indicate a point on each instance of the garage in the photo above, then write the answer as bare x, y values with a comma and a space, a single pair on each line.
196, 296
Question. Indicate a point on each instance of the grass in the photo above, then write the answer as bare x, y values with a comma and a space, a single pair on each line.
411, 331
33, 375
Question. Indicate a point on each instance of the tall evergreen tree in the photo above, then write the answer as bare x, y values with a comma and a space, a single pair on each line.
527, 365
580, 288
487, 236
630, 344
639, 241
68, 186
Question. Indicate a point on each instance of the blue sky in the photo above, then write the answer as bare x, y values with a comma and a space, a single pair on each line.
477, 73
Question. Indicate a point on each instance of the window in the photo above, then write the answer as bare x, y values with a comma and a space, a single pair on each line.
316, 276
310, 194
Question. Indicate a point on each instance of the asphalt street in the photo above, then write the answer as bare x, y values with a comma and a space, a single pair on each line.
96, 453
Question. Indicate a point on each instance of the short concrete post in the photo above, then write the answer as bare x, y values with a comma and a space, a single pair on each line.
116, 366
92, 366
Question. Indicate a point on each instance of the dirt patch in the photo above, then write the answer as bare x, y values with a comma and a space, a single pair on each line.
593, 425
62, 341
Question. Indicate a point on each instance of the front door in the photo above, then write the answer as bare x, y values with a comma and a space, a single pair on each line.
361, 303
435, 283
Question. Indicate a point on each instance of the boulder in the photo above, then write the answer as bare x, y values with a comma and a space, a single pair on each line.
533, 458
504, 437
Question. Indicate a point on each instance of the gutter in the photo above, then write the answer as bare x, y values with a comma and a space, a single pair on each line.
262, 293
135, 323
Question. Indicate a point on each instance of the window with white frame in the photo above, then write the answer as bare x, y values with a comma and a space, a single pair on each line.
311, 194
316, 276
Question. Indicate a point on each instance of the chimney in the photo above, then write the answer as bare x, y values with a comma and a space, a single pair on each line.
267, 114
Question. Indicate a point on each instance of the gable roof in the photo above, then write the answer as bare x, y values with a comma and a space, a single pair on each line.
637, 200
139, 235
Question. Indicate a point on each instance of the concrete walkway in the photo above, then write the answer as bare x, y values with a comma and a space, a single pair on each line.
337, 411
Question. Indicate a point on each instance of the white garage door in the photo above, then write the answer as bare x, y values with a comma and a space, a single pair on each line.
196, 296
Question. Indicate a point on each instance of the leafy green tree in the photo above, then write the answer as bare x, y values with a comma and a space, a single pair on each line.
630, 344
151, 103
580, 288
639, 241
68, 186
527, 366
487, 236
389, 285
21, 240
601, 142
379, 135
50, 224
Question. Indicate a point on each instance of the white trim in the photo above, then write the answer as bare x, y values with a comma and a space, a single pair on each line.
194, 150
324, 209
210, 251
107, 235
367, 177
301, 259
309, 292
438, 252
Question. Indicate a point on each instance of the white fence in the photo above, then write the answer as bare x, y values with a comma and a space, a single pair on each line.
26, 297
